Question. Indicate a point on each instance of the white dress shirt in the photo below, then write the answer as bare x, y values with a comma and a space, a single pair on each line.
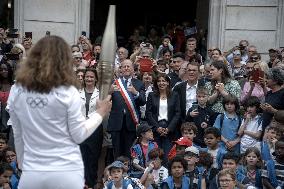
163, 110
48, 128
190, 95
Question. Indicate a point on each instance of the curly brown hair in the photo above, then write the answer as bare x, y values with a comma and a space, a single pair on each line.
49, 65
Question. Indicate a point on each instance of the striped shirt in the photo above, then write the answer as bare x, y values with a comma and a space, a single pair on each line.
279, 169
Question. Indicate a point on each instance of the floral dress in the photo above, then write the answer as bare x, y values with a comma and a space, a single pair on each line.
231, 86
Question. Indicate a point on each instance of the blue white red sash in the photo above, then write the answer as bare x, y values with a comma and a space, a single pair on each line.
128, 100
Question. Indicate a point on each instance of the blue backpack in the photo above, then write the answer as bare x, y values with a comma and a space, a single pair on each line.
125, 184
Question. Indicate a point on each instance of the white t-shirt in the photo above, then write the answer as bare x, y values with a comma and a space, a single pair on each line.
113, 187
214, 155
160, 174
252, 126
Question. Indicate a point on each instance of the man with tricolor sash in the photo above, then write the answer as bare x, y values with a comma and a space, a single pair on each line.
128, 94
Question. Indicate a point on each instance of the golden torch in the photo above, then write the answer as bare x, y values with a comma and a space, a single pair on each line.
107, 56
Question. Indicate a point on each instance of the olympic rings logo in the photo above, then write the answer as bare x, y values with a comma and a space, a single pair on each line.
37, 102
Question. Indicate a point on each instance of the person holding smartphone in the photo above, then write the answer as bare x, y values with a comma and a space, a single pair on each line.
255, 84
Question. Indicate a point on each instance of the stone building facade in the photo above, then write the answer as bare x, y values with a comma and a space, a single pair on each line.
259, 21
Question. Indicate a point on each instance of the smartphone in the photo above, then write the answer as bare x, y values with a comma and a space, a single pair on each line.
29, 35
146, 65
11, 56
83, 33
194, 107
47, 33
256, 74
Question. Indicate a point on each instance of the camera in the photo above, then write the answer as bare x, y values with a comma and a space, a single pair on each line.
13, 33
29, 35
11, 56
84, 33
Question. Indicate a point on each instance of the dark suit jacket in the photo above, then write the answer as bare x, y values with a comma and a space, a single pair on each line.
181, 91
152, 110
118, 106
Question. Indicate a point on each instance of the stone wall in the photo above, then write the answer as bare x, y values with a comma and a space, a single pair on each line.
258, 21
66, 18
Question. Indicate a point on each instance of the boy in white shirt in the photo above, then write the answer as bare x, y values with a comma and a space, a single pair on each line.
155, 168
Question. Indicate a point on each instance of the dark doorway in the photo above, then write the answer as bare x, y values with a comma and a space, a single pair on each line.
7, 13
130, 15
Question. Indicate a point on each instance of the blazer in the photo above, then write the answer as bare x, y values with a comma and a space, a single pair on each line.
92, 103
181, 91
152, 110
119, 108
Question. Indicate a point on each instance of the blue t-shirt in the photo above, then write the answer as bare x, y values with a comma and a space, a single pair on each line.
229, 128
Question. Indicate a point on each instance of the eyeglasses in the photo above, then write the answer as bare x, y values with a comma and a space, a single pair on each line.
10, 156
189, 70
226, 181
78, 58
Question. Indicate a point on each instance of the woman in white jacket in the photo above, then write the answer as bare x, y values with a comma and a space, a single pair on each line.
48, 125
91, 147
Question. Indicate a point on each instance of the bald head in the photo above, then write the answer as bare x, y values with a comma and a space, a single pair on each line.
127, 68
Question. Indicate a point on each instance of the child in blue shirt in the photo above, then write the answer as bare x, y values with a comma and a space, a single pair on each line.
228, 123
177, 179
270, 137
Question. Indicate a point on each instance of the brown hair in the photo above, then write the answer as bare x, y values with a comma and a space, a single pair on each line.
225, 172
188, 126
202, 90
257, 153
156, 153
191, 40
49, 65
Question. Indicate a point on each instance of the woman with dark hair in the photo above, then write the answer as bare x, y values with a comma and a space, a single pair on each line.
6, 81
91, 147
47, 121
163, 112
221, 85
274, 98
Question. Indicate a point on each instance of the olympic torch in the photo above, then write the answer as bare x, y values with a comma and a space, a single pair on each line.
107, 56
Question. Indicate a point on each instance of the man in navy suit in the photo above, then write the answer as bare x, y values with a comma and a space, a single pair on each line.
128, 94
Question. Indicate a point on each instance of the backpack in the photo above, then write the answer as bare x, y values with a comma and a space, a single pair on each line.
125, 183
222, 120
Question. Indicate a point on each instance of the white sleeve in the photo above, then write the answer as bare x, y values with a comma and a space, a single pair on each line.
17, 128
80, 128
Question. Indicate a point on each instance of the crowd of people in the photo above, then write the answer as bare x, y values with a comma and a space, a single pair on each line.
178, 119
